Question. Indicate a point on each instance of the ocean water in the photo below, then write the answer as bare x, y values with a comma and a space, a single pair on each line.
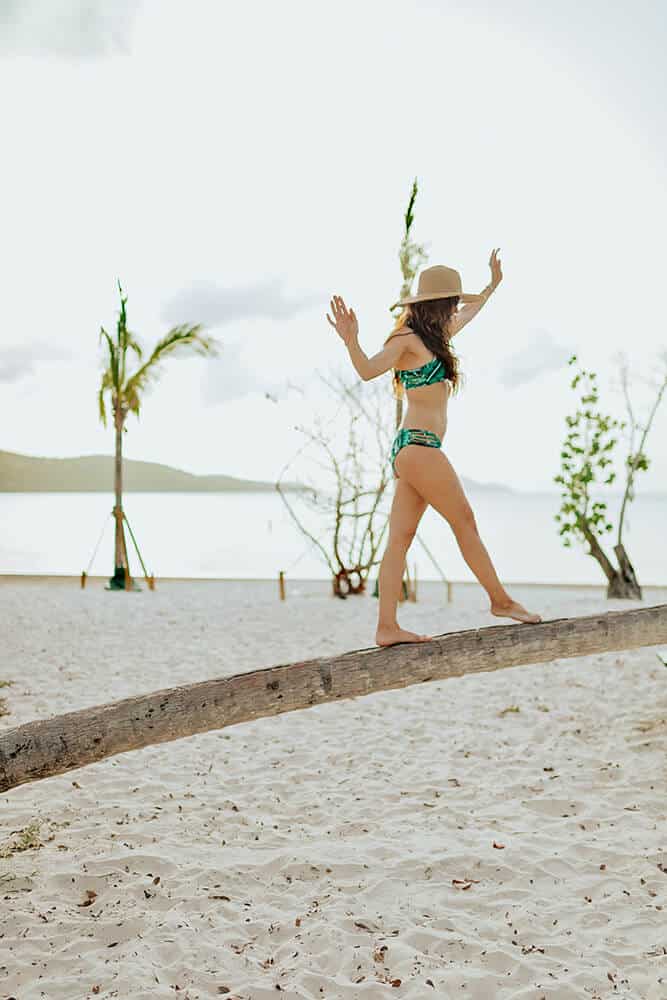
250, 535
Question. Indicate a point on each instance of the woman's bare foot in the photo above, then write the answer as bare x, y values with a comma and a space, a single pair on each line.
387, 635
514, 610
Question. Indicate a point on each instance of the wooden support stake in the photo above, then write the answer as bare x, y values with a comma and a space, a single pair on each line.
413, 595
407, 583
281, 585
53, 746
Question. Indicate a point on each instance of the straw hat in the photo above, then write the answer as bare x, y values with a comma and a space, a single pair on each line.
438, 282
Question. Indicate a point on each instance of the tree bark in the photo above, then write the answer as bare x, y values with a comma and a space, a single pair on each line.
597, 551
621, 583
121, 568
625, 584
53, 746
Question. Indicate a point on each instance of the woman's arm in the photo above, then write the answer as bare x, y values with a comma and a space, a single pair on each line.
473, 303
379, 363
346, 326
470, 309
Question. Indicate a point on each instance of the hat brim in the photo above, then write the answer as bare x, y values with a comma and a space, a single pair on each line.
462, 296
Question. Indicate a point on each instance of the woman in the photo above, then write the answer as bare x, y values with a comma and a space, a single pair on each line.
426, 371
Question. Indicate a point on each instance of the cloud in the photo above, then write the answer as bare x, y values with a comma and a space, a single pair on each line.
213, 305
227, 378
67, 28
18, 362
541, 355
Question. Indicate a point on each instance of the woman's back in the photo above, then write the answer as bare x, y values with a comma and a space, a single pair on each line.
424, 378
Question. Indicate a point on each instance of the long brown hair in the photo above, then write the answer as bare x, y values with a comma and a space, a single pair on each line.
430, 320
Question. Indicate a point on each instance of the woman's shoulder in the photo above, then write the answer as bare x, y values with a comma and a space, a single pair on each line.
402, 331
406, 340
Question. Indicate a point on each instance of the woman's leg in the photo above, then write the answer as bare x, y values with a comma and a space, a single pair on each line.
406, 511
433, 477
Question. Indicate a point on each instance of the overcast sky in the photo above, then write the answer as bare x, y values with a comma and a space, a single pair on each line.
239, 164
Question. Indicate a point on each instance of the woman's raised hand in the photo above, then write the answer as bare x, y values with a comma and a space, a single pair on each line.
496, 269
344, 321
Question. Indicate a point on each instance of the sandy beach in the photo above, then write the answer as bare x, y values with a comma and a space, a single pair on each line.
500, 835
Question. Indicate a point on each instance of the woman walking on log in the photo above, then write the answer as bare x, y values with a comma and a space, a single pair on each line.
425, 370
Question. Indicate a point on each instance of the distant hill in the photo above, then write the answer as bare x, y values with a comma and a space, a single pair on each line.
94, 474
474, 486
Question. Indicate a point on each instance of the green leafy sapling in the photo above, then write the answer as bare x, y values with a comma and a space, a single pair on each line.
586, 462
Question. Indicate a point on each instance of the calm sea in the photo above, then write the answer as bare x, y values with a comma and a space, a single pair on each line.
250, 535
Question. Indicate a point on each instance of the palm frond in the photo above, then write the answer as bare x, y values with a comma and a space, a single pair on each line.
113, 355
133, 344
126, 338
110, 375
122, 316
101, 407
106, 385
186, 337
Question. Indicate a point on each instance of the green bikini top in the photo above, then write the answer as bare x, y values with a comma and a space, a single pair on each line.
433, 371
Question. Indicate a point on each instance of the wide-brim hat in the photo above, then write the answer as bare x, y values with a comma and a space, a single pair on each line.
438, 282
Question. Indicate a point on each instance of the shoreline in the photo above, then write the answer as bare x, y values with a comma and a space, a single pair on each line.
320, 581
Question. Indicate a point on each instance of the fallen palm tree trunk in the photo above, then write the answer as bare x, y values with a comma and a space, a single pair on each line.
45, 748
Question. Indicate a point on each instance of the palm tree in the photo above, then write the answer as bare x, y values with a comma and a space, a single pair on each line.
126, 391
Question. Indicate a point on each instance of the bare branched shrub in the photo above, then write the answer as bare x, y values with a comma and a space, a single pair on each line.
344, 470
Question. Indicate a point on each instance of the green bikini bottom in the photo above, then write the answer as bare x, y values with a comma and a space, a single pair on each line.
412, 435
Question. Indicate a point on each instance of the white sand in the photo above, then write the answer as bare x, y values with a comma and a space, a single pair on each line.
313, 855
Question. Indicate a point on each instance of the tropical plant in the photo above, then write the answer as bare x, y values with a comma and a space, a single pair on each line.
125, 387
586, 460
411, 256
